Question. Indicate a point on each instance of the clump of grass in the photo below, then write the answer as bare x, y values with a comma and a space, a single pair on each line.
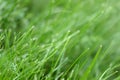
61, 40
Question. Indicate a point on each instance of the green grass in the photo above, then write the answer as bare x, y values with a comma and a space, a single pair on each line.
59, 40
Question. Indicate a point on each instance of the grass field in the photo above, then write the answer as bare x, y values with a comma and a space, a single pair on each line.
59, 39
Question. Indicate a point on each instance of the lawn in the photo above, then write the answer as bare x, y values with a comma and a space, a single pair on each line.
59, 39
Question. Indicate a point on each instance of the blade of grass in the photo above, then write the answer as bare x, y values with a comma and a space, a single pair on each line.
80, 56
110, 75
87, 72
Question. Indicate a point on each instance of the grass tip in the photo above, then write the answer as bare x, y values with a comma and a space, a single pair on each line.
101, 46
116, 71
69, 31
33, 27
78, 31
88, 48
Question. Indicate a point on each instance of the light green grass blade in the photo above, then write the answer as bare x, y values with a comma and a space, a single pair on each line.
87, 72
73, 64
